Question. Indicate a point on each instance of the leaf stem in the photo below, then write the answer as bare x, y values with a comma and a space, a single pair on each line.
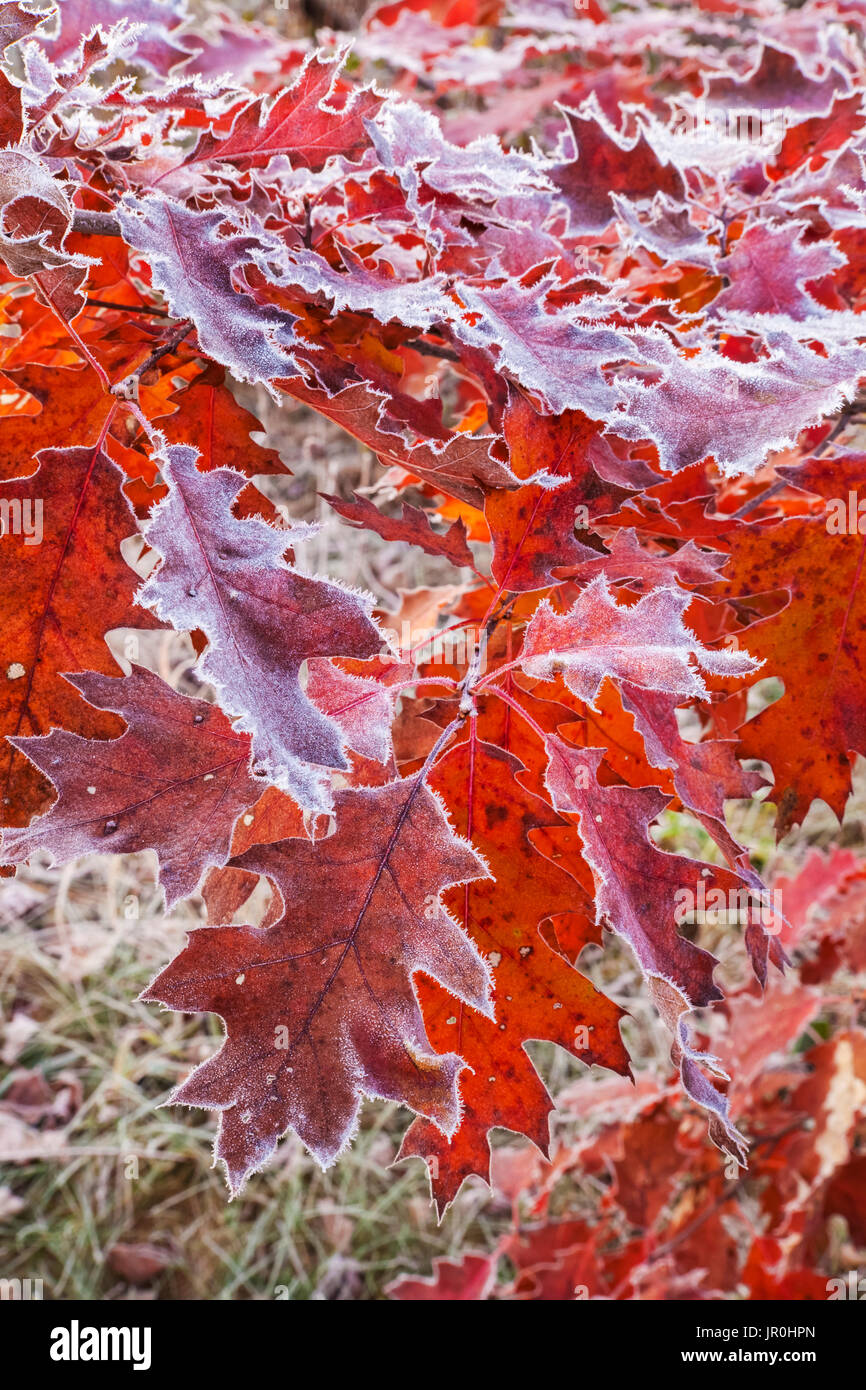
127, 308
127, 388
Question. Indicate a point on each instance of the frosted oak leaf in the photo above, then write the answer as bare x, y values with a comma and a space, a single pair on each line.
175, 781
320, 1008
228, 578
647, 644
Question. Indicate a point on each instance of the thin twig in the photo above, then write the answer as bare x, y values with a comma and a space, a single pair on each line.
95, 223
778, 486
127, 389
433, 350
848, 413
729, 1191
127, 308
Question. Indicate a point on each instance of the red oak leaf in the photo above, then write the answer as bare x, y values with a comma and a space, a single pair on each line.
646, 644
815, 139
73, 405
628, 559
304, 121
706, 774
320, 1008
467, 1280
638, 888
811, 734
532, 528
63, 585
538, 994
666, 229
462, 465
768, 268
363, 705
227, 578
16, 24
413, 527
777, 82
557, 352
196, 259
79, 18
11, 115
208, 417
35, 217
603, 163
736, 412
175, 782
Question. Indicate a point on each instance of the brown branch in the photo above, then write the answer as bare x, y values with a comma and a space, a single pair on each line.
725, 1196
433, 350
778, 486
127, 389
127, 308
848, 413
95, 223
